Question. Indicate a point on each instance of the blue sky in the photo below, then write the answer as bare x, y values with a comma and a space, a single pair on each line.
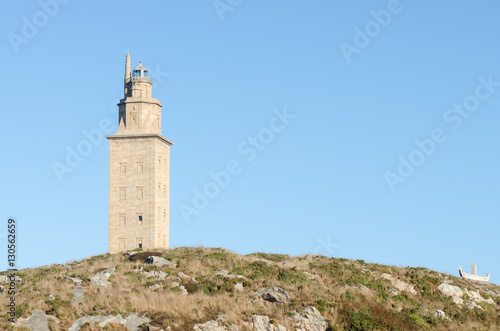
342, 176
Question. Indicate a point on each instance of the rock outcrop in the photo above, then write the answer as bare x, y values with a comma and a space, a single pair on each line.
402, 286
226, 273
263, 323
38, 321
310, 319
159, 261
132, 321
101, 278
273, 294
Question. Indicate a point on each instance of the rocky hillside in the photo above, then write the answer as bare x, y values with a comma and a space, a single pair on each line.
214, 289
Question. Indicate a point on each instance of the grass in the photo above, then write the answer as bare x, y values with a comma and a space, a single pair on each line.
336, 293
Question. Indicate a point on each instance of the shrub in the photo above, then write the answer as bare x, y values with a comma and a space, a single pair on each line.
217, 256
271, 257
21, 309
259, 269
291, 276
55, 305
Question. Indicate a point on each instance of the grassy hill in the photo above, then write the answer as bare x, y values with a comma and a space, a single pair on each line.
215, 290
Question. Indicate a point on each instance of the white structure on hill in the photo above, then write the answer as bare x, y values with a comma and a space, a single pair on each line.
473, 274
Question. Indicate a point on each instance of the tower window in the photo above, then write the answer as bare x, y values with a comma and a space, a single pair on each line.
139, 220
123, 193
140, 168
140, 245
122, 219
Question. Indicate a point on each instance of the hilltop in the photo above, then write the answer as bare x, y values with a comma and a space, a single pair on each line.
215, 289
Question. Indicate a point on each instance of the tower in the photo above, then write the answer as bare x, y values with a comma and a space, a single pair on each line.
139, 169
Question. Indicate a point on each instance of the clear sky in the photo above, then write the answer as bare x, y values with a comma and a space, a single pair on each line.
365, 131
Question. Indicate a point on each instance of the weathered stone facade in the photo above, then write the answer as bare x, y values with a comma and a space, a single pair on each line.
139, 169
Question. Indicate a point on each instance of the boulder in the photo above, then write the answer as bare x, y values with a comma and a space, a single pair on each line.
262, 323
158, 274
226, 273
183, 276
133, 322
450, 290
273, 294
38, 321
310, 319
402, 286
188, 278
492, 293
183, 290
439, 314
154, 287
101, 278
238, 287
459, 301
477, 297
209, 326
159, 261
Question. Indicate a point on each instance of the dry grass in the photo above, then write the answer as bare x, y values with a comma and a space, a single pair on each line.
335, 292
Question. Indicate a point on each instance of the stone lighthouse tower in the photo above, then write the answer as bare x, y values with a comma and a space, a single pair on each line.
139, 169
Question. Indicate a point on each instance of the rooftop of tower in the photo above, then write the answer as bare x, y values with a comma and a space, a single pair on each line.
140, 71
